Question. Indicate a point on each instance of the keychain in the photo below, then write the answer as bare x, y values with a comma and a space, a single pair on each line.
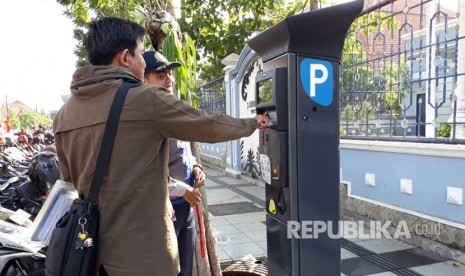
84, 239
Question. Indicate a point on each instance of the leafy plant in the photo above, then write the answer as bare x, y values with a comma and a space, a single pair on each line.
28, 119
185, 54
219, 34
163, 32
444, 130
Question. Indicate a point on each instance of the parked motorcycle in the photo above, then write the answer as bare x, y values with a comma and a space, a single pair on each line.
19, 255
24, 185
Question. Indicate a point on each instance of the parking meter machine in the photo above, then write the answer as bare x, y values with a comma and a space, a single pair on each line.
299, 151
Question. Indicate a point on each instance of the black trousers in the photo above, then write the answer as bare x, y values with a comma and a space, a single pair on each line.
185, 232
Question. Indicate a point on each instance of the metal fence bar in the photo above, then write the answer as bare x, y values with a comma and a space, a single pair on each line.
212, 96
400, 72
399, 76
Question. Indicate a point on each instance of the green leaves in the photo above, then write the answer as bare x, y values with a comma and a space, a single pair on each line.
28, 119
219, 34
185, 76
141, 11
218, 27
80, 12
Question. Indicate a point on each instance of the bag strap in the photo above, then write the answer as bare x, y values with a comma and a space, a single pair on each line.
108, 140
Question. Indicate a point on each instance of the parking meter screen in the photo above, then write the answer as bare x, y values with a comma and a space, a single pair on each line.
265, 91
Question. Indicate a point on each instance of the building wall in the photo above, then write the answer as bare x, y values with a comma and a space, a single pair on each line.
249, 145
445, 240
215, 154
374, 171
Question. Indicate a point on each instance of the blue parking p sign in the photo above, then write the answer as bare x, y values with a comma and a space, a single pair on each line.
316, 77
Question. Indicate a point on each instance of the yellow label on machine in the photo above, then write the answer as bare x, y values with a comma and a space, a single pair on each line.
272, 207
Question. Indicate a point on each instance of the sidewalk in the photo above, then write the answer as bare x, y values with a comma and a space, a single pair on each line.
237, 212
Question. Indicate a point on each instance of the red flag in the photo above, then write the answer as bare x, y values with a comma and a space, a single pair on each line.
7, 120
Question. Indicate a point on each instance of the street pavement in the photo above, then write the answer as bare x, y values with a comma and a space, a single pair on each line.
237, 213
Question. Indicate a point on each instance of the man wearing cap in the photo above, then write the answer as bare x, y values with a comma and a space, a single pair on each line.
182, 168
158, 70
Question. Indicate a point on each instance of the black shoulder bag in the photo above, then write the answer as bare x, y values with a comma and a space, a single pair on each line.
72, 250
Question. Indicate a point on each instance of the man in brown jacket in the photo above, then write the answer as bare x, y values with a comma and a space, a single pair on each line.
136, 232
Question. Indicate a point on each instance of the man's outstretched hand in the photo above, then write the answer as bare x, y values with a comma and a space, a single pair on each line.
262, 120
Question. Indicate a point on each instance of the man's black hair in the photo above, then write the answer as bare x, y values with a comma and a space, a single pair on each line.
109, 35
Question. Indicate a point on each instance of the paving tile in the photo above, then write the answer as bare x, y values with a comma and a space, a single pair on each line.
384, 245
213, 172
384, 274
256, 191
233, 208
412, 257
262, 244
364, 234
232, 181
224, 229
223, 256
218, 221
256, 235
209, 183
233, 238
260, 216
221, 196
243, 218
442, 269
359, 267
251, 226
346, 254
237, 251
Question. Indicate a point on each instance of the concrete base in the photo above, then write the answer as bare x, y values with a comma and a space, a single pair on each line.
217, 162
426, 244
233, 173
448, 242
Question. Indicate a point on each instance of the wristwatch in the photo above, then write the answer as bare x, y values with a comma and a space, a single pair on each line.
198, 166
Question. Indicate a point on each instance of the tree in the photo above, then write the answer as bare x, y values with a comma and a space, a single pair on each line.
159, 22
44, 120
29, 119
219, 34
80, 12
216, 34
